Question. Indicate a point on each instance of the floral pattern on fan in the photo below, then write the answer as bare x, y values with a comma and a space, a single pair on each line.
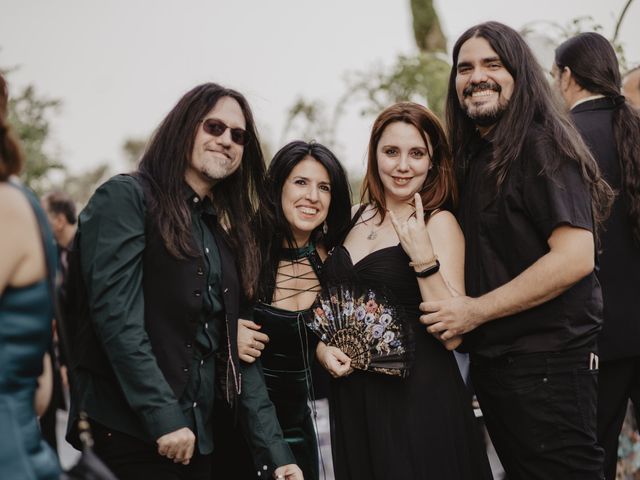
366, 326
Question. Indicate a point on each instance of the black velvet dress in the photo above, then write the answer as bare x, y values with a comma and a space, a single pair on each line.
390, 428
286, 362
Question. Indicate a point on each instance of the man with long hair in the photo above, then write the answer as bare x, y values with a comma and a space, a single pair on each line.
587, 75
169, 259
531, 202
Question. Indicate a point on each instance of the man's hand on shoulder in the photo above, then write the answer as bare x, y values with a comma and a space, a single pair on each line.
288, 472
178, 445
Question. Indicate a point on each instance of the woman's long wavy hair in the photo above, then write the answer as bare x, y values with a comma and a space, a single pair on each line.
276, 231
532, 102
236, 198
11, 157
594, 66
439, 189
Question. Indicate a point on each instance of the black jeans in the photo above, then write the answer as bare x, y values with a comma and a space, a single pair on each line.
130, 458
619, 381
540, 411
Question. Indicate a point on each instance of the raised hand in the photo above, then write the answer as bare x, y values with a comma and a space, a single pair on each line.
413, 234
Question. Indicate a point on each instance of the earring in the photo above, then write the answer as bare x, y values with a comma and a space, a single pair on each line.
325, 228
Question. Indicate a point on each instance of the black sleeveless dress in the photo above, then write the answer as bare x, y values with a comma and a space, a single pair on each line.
390, 428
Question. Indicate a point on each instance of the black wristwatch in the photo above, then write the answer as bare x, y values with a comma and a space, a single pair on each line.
429, 270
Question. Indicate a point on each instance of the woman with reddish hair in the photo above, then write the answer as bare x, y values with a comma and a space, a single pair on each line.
404, 242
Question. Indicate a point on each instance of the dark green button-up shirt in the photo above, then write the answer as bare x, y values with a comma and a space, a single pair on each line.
196, 400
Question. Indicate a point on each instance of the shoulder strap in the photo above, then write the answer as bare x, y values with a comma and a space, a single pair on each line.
48, 243
357, 215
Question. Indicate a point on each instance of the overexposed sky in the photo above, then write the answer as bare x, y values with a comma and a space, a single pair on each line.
120, 65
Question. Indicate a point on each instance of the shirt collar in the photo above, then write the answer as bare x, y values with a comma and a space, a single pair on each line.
585, 99
203, 205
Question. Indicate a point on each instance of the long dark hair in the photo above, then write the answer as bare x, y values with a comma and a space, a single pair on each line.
236, 198
439, 188
11, 157
594, 66
276, 230
532, 102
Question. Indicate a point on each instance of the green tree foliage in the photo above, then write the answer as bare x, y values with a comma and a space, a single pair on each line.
421, 77
556, 32
133, 148
80, 187
29, 114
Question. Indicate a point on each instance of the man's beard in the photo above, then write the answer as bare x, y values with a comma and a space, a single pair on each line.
483, 116
218, 170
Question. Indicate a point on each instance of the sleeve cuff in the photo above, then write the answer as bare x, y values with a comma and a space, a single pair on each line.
272, 457
163, 420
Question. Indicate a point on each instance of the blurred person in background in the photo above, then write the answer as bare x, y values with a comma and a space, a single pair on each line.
587, 75
61, 213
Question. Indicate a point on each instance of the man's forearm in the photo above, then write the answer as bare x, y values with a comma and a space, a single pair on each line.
570, 258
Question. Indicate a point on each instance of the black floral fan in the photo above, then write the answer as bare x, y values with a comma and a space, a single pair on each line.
367, 327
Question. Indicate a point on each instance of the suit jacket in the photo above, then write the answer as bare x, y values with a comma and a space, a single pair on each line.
619, 260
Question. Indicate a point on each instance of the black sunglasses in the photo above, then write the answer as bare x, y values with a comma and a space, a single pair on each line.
217, 127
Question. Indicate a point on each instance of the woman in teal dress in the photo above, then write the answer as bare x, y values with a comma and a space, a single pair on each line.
305, 216
26, 312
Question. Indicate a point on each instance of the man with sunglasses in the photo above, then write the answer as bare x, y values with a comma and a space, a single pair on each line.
169, 260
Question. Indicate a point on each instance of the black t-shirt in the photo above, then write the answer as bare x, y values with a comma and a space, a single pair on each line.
506, 231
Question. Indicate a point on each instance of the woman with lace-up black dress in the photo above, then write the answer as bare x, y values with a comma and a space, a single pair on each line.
306, 215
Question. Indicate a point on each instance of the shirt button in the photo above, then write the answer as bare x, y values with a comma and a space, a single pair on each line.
206, 250
206, 325
201, 362
186, 369
226, 290
195, 404
197, 293
189, 345
200, 271
264, 467
196, 199
209, 287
